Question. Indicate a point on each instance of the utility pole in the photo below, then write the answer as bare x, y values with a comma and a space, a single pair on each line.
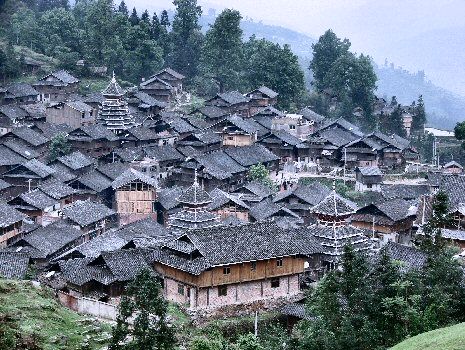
29, 184
345, 161
256, 324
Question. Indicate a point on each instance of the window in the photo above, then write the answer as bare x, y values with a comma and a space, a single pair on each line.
222, 291
226, 270
253, 265
292, 127
279, 262
275, 283
181, 289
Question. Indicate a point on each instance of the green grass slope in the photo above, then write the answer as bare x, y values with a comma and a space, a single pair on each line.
449, 338
31, 318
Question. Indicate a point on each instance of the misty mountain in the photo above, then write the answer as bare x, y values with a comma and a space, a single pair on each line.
444, 108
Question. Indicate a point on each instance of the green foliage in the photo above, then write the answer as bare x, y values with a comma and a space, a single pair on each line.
59, 146
393, 123
363, 306
260, 173
222, 57
459, 132
144, 300
248, 342
275, 67
186, 38
326, 52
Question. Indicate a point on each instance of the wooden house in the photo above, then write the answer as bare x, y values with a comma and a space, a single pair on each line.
159, 89
28, 137
368, 179
56, 86
283, 144
20, 93
246, 266
260, 98
94, 140
135, 196
360, 153
387, 219
89, 217
172, 77
294, 124
236, 131
28, 175
202, 141
232, 102
40, 207
452, 167
11, 221
72, 113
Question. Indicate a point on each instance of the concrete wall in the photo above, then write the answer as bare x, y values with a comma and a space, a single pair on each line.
88, 306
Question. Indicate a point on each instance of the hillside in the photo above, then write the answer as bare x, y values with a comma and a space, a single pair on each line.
29, 316
449, 338
444, 108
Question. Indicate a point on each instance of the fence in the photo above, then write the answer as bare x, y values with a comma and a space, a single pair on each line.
88, 306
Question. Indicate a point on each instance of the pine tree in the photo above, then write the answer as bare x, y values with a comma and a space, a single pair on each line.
134, 18
186, 38
143, 298
145, 17
164, 19
123, 9
155, 27
419, 116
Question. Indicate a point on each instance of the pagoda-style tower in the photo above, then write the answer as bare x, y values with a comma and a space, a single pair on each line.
194, 214
334, 230
114, 112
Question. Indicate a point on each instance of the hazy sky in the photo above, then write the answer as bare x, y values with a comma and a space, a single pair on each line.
374, 27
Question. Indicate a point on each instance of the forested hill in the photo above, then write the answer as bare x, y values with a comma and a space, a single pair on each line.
444, 108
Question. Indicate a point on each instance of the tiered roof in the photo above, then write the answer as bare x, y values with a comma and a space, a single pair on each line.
114, 112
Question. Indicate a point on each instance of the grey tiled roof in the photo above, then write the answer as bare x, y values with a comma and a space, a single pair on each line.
56, 189
335, 205
132, 175
50, 239
113, 89
171, 72
194, 195
251, 155
162, 153
95, 180
76, 160
86, 212
13, 265
20, 148
30, 136
266, 209
13, 112
38, 199
413, 258
370, 171
308, 114
268, 92
39, 168
8, 157
113, 170
233, 97
167, 197
312, 194
21, 90
404, 191
212, 112
9, 215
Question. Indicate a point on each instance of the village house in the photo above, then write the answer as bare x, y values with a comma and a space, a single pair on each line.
294, 124
11, 221
72, 113
167, 203
452, 167
135, 196
94, 140
237, 131
28, 137
91, 218
202, 141
232, 102
20, 93
29, 174
267, 210
147, 104
172, 77
45, 243
260, 98
283, 144
233, 265
56, 86
212, 114
392, 220
159, 89
11, 116
254, 192
228, 205
13, 265
40, 207
368, 179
